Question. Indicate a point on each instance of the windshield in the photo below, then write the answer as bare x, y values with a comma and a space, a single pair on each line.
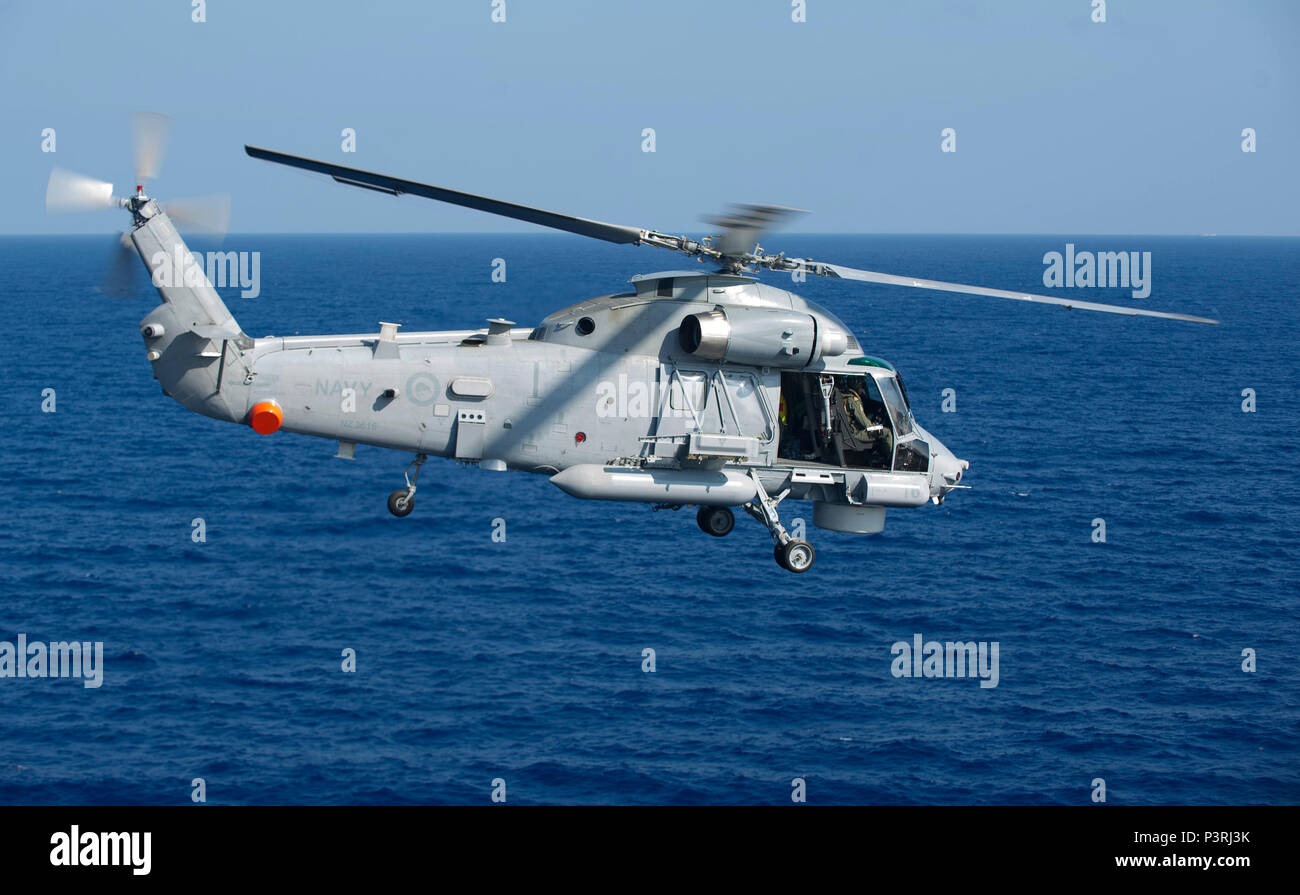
897, 406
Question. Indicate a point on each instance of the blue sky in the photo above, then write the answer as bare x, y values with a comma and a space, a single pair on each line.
1063, 125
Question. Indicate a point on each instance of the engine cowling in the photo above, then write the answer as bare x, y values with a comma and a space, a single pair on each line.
761, 337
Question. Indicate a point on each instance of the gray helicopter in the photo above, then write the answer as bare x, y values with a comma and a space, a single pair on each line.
706, 389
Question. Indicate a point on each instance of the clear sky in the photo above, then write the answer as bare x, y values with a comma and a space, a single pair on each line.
1063, 125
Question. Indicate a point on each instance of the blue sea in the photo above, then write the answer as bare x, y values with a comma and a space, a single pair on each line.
521, 660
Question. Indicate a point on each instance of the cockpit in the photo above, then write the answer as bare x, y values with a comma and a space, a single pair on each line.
853, 420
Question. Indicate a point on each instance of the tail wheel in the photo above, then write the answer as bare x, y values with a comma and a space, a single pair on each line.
796, 555
717, 521
401, 502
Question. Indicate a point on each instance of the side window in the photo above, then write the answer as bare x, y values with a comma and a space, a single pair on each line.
747, 404
689, 391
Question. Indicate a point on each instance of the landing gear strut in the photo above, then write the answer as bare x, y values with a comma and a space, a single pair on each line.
402, 501
791, 554
717, 521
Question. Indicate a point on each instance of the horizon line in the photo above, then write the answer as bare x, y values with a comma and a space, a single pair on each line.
798, 234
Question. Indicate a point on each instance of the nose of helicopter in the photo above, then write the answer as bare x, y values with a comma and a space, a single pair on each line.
945, 471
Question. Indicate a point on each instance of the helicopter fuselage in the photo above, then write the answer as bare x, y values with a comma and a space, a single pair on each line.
692, 389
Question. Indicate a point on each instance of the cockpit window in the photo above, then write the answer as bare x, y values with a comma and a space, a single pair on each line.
897, 406
902, 387
912, 456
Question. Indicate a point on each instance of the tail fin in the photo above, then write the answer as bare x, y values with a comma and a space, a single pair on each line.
192, 337
180, 282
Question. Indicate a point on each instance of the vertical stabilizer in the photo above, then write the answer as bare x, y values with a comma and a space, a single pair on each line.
194, 344
180, 280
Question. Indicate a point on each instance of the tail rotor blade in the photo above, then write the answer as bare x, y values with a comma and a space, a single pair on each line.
123, 276
209, 215
68, 191
149, 130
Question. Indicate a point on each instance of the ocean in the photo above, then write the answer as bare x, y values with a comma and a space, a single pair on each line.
482, 660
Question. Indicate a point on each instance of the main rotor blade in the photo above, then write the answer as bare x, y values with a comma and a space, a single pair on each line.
149, 133
396, 187
69, 191
871, 276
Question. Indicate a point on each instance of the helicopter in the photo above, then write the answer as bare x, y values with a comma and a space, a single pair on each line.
693, 388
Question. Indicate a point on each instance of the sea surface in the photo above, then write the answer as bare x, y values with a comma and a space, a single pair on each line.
521, 660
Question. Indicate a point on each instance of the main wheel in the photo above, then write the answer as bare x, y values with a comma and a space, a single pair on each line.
400, 503
796, 555
717, 521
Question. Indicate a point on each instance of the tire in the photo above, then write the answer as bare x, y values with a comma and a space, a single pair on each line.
778, 553
797, 556
716, 521
399, 504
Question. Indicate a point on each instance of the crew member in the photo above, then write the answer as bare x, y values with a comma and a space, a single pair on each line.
864, 422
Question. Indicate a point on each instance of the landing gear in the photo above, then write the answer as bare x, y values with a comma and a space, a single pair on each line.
791, 554
795, 555
402, 501
717, 521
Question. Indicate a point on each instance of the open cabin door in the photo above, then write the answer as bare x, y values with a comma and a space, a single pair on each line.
854, 421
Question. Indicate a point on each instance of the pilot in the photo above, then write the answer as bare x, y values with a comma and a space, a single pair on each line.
863, 426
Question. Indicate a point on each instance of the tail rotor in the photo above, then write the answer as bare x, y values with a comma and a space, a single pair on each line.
68, 192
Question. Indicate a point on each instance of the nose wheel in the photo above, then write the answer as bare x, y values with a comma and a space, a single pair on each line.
402, 501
